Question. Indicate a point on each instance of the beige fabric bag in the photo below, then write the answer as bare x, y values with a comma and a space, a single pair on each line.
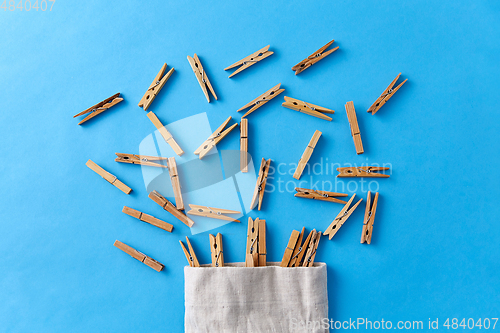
237, 299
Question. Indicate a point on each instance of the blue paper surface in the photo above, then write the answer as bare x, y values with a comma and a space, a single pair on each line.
434, 252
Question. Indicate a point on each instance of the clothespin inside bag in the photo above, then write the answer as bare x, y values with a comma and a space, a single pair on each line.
252, 252
216, 250
190, 255
290, 249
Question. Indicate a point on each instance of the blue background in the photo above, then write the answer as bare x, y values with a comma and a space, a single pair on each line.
435, 249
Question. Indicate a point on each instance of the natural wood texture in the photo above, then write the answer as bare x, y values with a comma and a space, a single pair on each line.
252, 59
319, 195
353, 122
260, 186
386, 95
290, 248
141, 159
157, 266
341, 218
216, 250
244, 145
311, 249
155, 87
307, 108
108, 176
214, 139
176, 185
262, 243
306, 155
369, 220
214, 213
201, 76
262, 99
366, 171
165, 133
148, 219
190, 256
99, 107
298, 251
252, 251
314, 58
169, 207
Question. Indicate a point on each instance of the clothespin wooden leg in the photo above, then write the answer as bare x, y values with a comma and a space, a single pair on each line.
174, 178
252, 253
262, 243
290, 248
244, 145
353, 122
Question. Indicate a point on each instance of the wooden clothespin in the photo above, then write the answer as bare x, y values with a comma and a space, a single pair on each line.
307, 108
170, 165
169, 207
306, 155
252, 251
201, 76
353, 122
386, 95
213, 213
262, 99
214, 139
155, 87
165, 133
292, 243
176, 185
262, 243
108, 176
157, 266
260, 186
319, 195
366, 235
252, 59
148, 219
216, 250
141, 159
299, 250
311, 249
244, 145
365, 171
314, 58
341, 218
99, 107
190, 256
